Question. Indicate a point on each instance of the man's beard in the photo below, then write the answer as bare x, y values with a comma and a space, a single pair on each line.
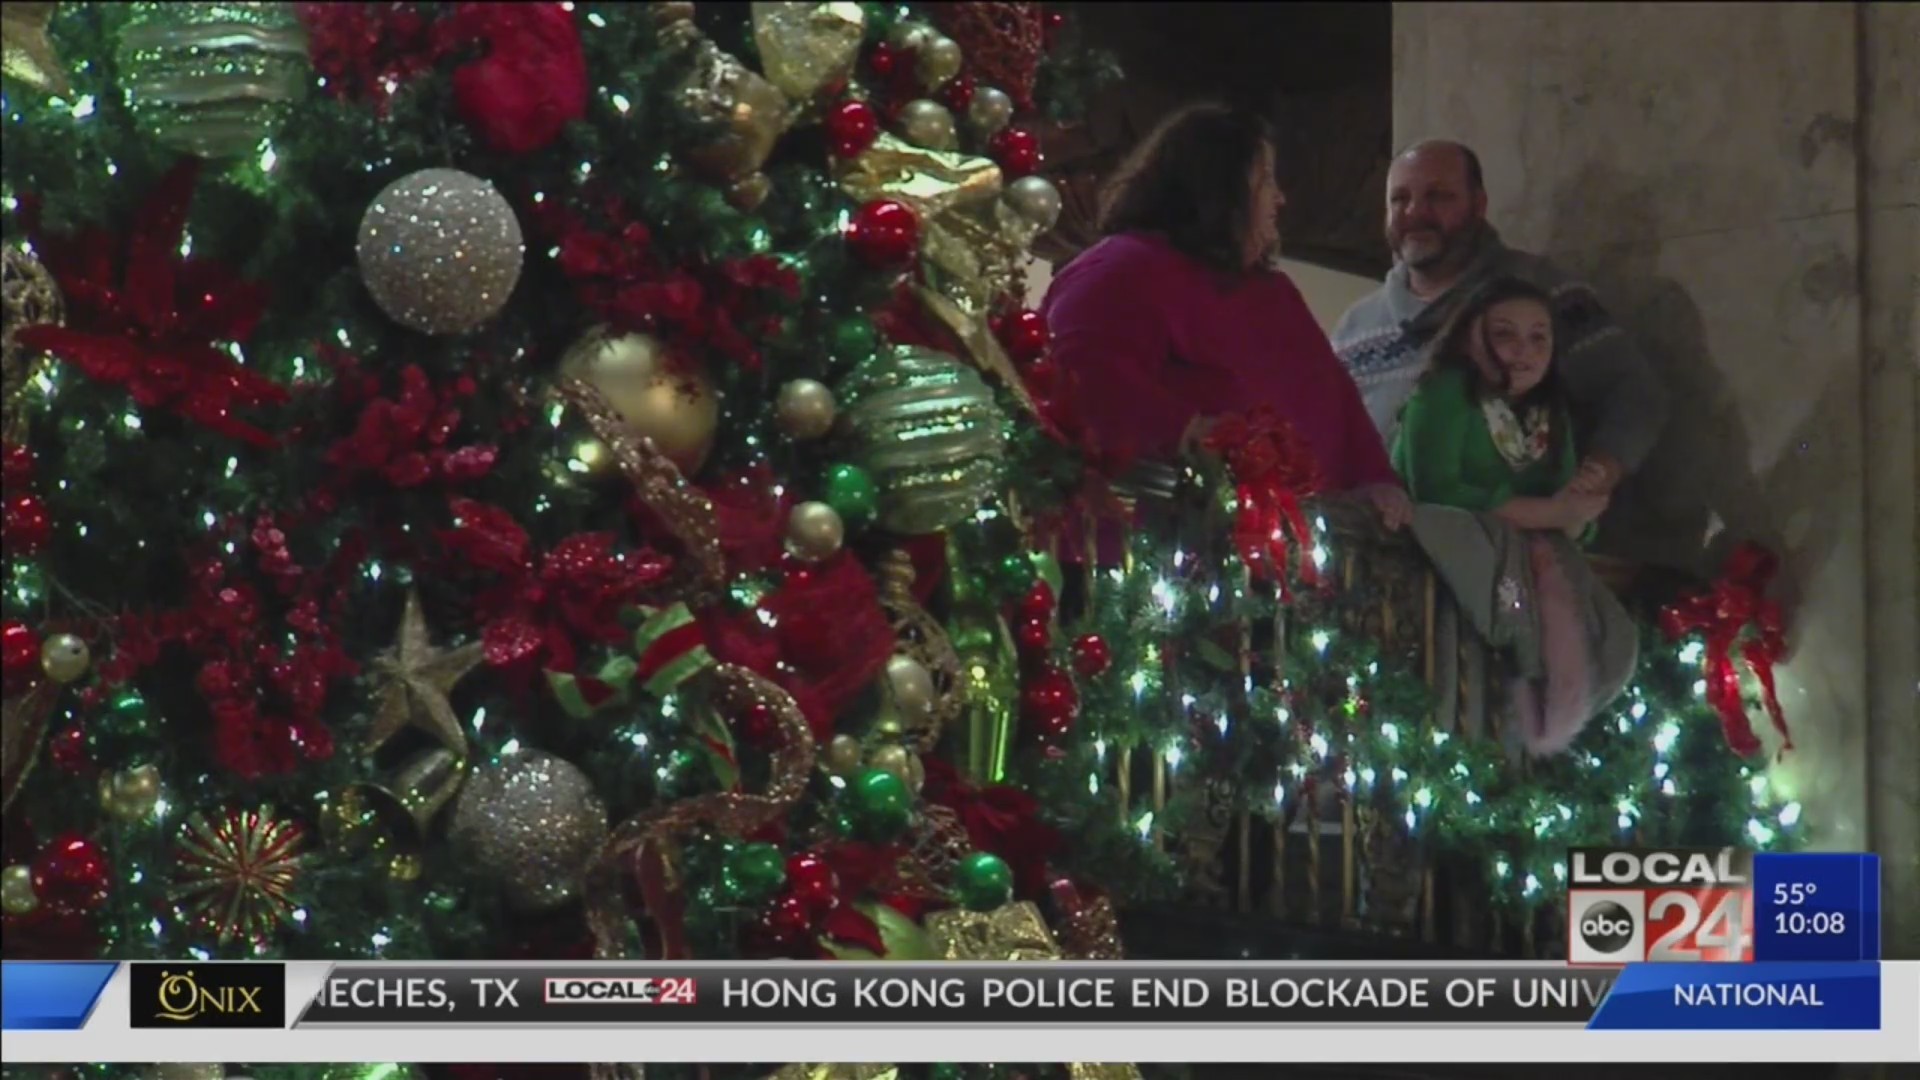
1444, 250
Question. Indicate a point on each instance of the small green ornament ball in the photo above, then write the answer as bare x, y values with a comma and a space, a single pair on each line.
854, 341
879, 804
983, 882
1014, 574
753, 873
850, 491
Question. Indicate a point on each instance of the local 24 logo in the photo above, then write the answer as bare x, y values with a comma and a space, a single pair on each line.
1675, 905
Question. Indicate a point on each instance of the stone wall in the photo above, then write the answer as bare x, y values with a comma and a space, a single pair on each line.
1740, 181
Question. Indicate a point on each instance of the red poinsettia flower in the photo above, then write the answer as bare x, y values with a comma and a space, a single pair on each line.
152, 321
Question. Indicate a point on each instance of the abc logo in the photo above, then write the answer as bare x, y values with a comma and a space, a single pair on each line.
1606, 927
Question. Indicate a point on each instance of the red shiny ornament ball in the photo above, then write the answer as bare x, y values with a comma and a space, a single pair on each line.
884, 234
1050, 704
71, 874
71, 750
1017, 151
883, 59
1025, 336
1033, 636
1091, 656
19, 649
1039, 601
27, 526
786, 926
851, 128
959, 93
16, 464
812, 882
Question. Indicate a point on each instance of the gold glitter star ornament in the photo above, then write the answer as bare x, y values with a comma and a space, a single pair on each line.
26, 53
415, 679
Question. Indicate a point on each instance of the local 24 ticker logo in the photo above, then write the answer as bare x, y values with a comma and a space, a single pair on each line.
1676, 905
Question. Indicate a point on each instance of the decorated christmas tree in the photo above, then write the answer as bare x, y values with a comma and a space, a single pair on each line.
562, 480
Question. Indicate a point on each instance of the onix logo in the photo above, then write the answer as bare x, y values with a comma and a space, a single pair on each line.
240, 995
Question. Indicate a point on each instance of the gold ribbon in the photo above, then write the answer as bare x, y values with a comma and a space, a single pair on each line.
735, 690
26, 52
1013, 932
835, 1072
700, 571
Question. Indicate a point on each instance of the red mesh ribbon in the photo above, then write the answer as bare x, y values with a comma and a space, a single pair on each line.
1002, 42
1723, 615
1273, 469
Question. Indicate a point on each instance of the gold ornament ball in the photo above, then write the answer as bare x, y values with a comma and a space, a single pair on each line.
893, 759
130, 794
16, 891
814, 531
929, 124
675, 408
940, 60
65, 658
916, 777
990, 110
843, 755
1036, 200
912, 686
805, 409
910, 35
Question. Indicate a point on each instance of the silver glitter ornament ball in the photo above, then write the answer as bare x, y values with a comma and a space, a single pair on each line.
533, 823
440, 250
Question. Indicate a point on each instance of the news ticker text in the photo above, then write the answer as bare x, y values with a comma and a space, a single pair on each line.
879, 996
1720, 905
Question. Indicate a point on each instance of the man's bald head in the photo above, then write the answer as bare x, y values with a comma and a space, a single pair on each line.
1436, 205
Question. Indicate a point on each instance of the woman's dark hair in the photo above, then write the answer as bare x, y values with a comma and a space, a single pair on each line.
1189, 181
1449, 350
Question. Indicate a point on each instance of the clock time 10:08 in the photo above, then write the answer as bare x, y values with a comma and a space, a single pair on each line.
1798, 923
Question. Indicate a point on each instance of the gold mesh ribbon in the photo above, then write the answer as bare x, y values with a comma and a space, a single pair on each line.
971, 243
835, 1072
700, 571
735, 690
1013, 932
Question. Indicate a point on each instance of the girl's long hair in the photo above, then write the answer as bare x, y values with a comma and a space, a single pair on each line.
1449, 351
1190, 181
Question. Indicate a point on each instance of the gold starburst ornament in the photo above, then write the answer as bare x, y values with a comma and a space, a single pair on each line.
238, 875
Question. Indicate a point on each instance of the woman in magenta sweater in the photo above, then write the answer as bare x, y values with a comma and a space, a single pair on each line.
1177, 317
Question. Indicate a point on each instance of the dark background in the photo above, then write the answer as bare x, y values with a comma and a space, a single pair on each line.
1321, 71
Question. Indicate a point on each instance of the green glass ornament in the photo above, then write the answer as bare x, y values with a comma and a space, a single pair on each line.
127, 713
754, 873
880, 803
983, 882
926, 427
1014, 574
212, 79
26, 593
855, 341
850, 491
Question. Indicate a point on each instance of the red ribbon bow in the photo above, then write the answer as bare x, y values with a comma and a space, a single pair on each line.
149, 321
1273, 469
1723, 614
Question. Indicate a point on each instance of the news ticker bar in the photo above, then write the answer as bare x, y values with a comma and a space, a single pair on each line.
1868, 1013
187, 996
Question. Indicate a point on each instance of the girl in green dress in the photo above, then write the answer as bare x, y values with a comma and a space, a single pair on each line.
1487, 431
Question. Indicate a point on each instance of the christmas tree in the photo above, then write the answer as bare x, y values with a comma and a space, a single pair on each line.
512, 481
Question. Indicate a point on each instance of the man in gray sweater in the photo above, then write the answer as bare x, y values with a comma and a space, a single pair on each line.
1443, 246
